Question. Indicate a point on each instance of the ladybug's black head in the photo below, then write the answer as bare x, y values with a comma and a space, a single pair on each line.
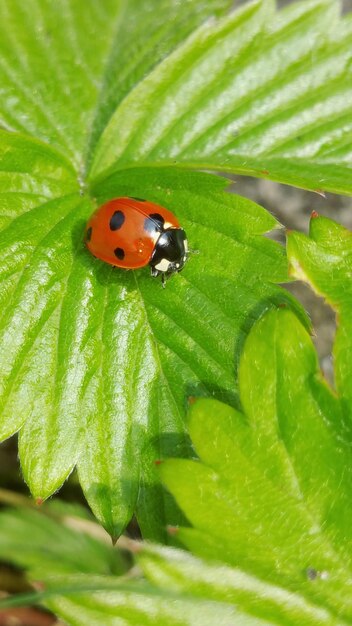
170, 252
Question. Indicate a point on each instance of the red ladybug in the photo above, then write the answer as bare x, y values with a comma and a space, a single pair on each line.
131, 233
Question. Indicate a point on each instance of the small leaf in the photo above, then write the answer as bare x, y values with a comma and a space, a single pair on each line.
38, 541
324, 260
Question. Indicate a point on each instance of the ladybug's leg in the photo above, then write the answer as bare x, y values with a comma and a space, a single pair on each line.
163, 280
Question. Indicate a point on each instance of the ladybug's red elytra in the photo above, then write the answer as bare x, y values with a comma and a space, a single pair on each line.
132, 233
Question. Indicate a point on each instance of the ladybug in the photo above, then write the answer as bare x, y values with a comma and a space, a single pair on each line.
132, 232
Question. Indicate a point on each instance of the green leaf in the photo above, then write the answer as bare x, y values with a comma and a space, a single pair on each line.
257, 601
88, 601
257, 92
97, 363
271, 493
86, 582
138, 605
38, 541
324, 260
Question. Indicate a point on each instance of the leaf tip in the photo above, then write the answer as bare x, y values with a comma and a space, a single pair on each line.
158, 462
173, 530
314, 215
39, 501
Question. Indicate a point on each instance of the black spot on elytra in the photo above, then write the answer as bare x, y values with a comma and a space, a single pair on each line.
138, 199
119, 253
116, 220
89, 234
154, 222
